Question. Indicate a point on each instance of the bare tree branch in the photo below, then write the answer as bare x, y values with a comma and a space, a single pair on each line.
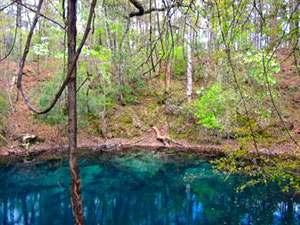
139, 6
6, 6
40, 14
15, 37
142, 12
66, 81
26, 49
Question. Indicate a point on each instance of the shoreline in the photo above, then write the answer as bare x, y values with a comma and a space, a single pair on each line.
116, 145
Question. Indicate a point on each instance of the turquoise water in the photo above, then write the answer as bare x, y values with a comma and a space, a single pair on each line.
140, 189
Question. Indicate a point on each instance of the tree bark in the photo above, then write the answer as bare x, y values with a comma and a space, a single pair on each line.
273, 25
189, 85
76, 201
19, 18
294, 24
168, 74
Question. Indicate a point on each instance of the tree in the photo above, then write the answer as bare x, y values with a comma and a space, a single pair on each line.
189, 71
70, 81
77, 207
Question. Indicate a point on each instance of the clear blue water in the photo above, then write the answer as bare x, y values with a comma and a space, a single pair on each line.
140, 189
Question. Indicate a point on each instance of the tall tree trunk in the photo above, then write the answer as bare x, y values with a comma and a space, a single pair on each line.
19, 27
109, 34
189, 85
76, 201
259, 21
19, 15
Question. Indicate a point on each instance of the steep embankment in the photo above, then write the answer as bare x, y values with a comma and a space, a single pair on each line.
132, 124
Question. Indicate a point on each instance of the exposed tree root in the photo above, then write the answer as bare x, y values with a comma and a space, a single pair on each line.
166, 140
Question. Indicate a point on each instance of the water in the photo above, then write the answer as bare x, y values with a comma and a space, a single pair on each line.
140, 189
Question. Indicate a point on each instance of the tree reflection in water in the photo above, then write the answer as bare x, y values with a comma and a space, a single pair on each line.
75, 191
138, 190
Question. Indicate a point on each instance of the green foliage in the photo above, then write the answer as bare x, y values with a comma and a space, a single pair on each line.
4, 106
214, 106
42, 48
261, 170
127, 92
58, 114
4, 110
92, 98
179, 62
222, 108
255, 67
100, 53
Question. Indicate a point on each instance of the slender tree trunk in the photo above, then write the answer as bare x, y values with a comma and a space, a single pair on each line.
76, 201
168, 74
19, 27
109, 34
189, 84
294, 24
260, 35
19, 15
273, 25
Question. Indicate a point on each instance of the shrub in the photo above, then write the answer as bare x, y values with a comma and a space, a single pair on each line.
4, 106
215, 107
58, 114
179, 62
91, 99
253, 62
4, 110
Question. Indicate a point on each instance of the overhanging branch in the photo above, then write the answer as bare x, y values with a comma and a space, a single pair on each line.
6, 6
141, 11
73, 65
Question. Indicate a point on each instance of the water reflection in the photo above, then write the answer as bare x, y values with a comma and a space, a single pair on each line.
139, 190
75, 190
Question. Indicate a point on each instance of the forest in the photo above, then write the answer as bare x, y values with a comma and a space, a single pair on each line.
132, 89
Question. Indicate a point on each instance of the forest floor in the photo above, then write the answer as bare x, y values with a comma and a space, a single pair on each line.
130, 125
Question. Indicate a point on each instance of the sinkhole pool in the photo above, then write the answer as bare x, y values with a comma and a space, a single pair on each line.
139, 188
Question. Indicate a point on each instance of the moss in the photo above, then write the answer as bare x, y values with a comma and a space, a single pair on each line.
122, 125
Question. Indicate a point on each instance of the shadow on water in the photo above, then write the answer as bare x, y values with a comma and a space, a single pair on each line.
139, 188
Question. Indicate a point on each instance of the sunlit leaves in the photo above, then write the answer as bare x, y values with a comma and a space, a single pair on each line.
42, 48
255, 63
213, 105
